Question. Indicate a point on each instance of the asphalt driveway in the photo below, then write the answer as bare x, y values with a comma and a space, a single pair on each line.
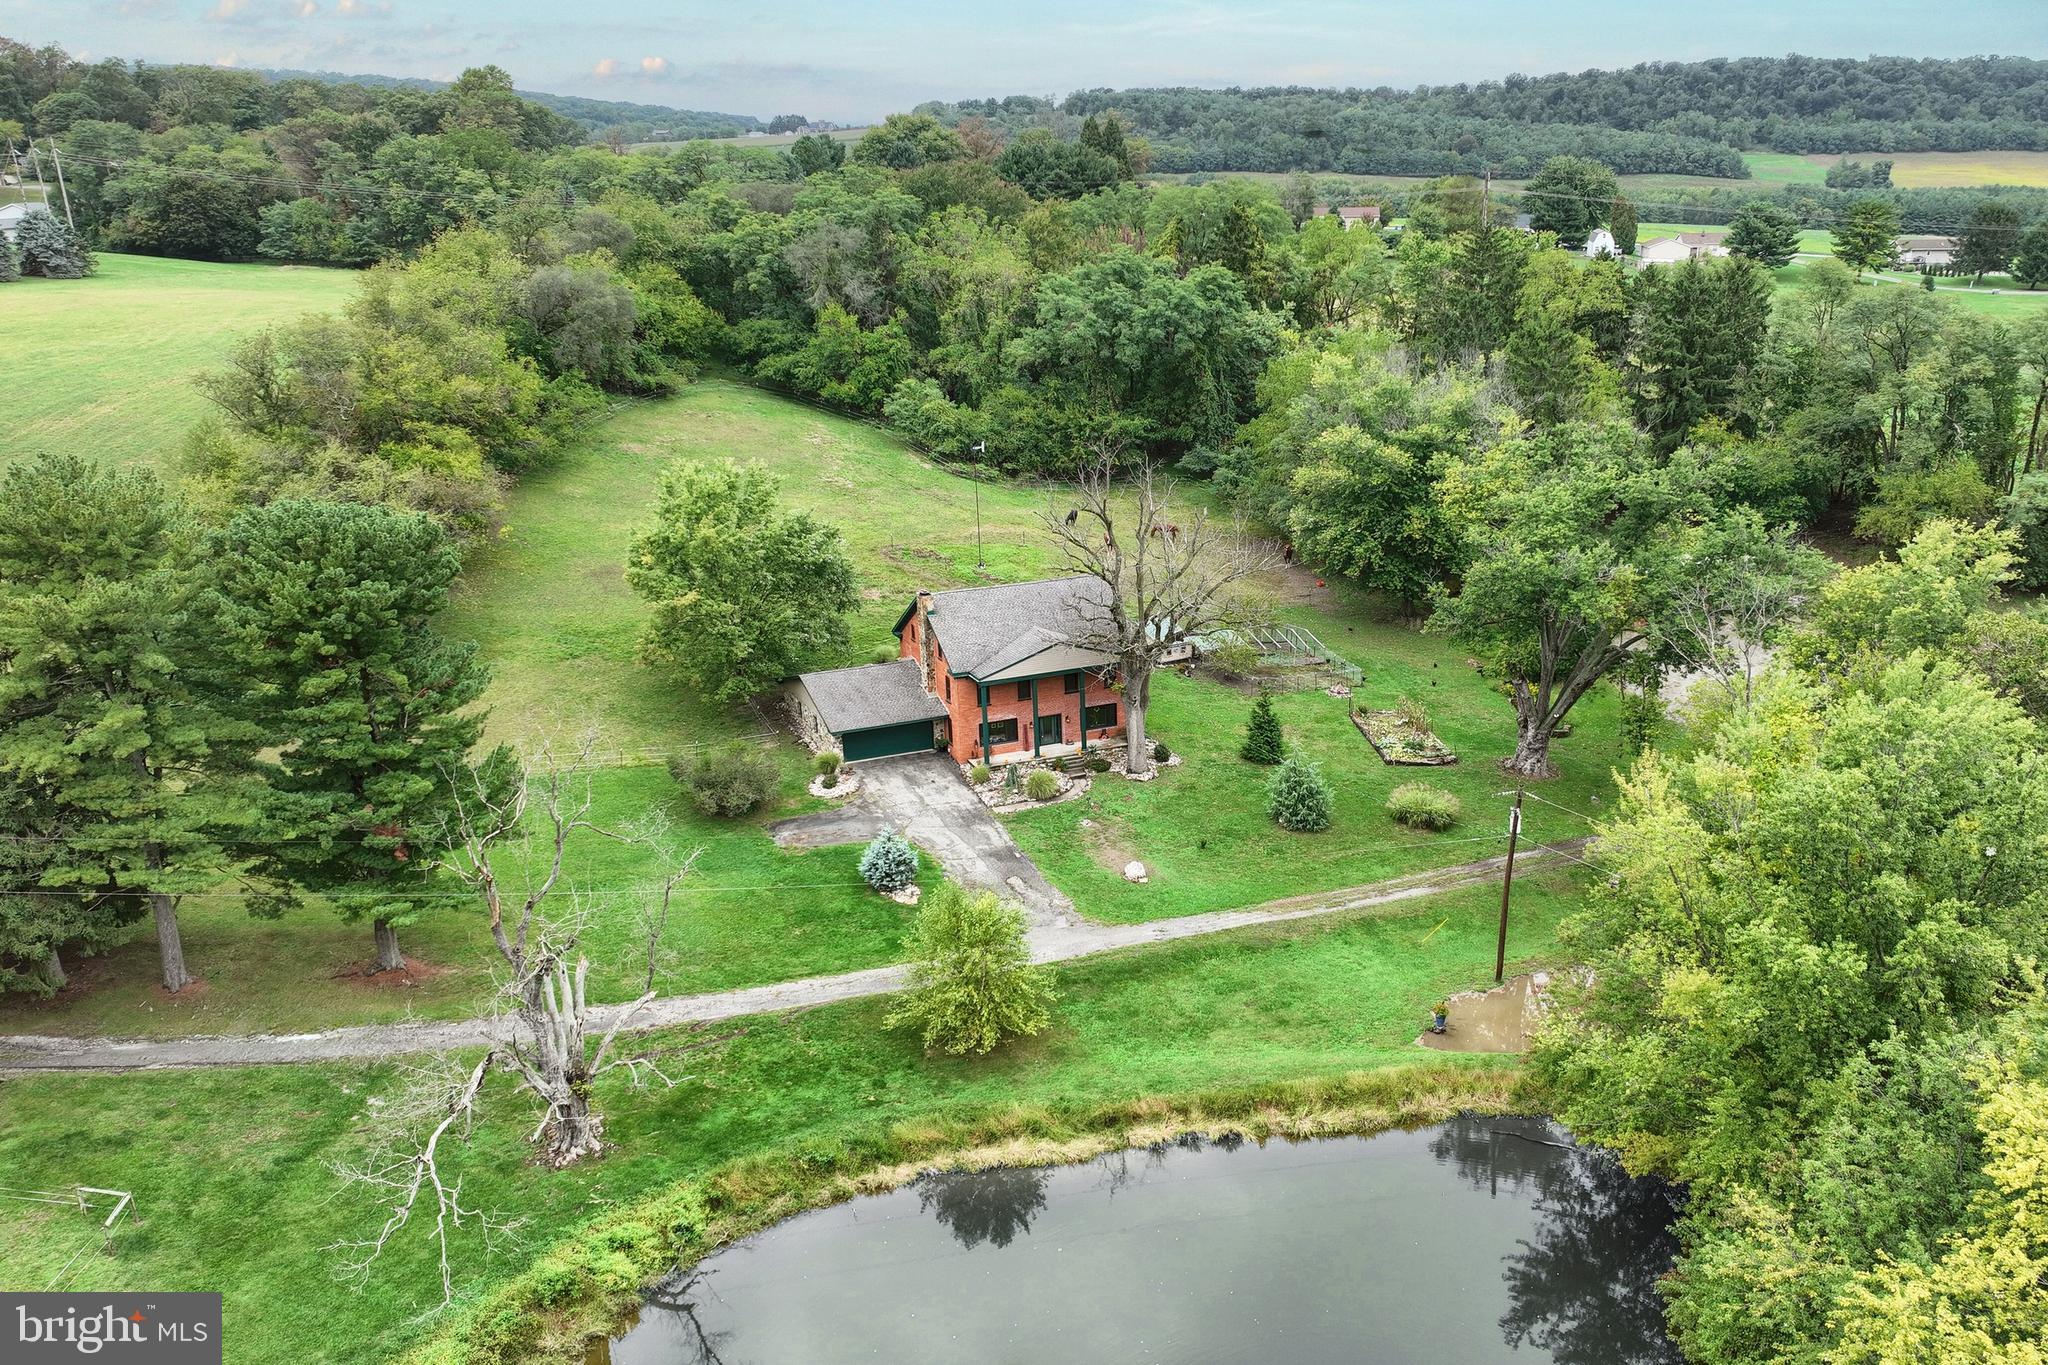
925, 798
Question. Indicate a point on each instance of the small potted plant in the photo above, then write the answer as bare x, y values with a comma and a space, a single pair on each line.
1440, 1016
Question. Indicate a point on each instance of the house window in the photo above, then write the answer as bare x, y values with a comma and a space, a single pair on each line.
1023, 691
1001, 732
1073, 683
949, 687
1101, 717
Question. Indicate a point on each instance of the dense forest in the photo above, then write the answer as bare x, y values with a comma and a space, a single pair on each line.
1673, 117
634, 122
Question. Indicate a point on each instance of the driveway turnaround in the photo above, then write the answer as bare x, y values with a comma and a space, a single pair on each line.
1049, 943
924, 798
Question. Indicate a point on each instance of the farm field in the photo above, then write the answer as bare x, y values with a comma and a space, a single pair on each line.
114, 355
1773, 169
1950, 170
1322, 999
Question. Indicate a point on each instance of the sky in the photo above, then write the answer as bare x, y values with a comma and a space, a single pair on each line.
853, 60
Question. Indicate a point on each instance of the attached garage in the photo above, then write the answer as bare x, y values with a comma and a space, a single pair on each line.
868, 712
909, 738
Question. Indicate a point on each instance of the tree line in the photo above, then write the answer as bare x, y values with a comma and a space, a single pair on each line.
1671, 117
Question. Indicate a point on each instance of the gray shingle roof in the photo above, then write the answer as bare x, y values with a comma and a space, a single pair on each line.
983, 631
871, 695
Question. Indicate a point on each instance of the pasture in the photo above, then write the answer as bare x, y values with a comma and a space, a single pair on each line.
1950, 170
104, 365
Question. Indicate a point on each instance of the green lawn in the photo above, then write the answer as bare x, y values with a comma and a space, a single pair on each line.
750, 914
112, 357
1994, 298
549, 602
1202, 830
234, 1193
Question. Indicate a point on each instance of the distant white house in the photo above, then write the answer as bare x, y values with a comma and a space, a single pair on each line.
11, 216
1351, 215
1684, 247
1599, 240
1935, 251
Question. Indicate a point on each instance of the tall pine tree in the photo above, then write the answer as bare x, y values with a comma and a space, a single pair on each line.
118, 758
328, 609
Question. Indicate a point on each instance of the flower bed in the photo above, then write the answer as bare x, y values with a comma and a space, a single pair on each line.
1399, 741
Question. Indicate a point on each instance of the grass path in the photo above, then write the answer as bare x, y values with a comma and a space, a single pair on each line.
103, 367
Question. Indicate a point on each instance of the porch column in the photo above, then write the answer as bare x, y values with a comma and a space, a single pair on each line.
1034, 718
984, 721
1083, 675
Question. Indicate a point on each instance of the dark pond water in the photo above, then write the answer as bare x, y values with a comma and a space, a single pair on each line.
1477, 1240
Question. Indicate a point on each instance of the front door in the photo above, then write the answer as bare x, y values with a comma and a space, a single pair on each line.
1049, 730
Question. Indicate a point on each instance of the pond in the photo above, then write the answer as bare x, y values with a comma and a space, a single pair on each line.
1476, 1240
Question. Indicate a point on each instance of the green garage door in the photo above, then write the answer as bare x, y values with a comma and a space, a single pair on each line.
908, 738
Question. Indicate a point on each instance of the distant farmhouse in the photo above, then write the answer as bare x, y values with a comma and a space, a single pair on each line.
1600, 241
1684, 247
985, 674
1351, 215
10, 219
1928, 251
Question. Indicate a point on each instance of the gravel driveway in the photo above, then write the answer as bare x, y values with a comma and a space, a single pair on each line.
925, 798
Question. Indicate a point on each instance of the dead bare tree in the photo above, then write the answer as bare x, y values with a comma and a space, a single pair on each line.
548, 1042
1723, 628
1168, 574
544, 1029
403, 1164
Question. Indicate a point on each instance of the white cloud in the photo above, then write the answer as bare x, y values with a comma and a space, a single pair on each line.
606, 66
654, 66
306, 9
227, 9
226, 59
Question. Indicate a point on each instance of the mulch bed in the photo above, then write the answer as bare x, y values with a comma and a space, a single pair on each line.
1400, 744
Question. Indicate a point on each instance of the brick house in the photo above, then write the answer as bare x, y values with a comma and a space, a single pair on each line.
985, 674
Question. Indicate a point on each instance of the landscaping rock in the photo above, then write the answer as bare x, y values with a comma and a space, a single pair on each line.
909, 895
1134, 871
848, 784
1338, 690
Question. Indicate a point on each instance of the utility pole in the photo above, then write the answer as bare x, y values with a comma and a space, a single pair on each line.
1486, 200
58, 162
1507, 881
35, 159
980, 448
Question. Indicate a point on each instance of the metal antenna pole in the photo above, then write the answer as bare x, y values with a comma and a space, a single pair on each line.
1507, 881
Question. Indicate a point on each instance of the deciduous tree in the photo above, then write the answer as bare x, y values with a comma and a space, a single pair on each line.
1867, 235
744, 592
1166, 575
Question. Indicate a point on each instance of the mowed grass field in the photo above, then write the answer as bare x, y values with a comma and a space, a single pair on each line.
104, 366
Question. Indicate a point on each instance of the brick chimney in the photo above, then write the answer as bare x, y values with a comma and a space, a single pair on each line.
927, 648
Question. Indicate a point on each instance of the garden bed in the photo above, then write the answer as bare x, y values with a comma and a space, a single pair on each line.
1400, 740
